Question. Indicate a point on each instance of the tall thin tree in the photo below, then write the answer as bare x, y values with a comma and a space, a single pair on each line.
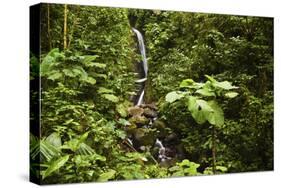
65, 28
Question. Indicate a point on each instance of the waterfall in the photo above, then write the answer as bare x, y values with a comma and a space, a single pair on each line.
144, 63
162, 150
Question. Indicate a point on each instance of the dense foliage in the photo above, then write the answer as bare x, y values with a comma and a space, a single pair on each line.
220, 123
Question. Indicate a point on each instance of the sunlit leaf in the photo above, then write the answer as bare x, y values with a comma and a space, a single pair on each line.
107, 175
111, 97
55, 165
173, 96
231, 94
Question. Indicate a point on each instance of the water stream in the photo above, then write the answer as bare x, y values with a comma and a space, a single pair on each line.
144, 64
162, 150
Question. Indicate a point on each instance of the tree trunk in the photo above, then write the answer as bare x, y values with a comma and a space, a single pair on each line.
65, 28
48, 27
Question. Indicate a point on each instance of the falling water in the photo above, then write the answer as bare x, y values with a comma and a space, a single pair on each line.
144, 63
162, 151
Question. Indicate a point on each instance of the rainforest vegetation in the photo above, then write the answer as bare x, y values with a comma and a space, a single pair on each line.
207, 106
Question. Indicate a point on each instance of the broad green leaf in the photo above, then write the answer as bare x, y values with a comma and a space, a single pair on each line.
210, 78
199, 109
173, 96
111, 97
68, 73
55, 76
74, 144
216, 117
79, 71
107, 175
187, 82
105, 90
49, 60
122, 110
55, 165
87, 60
124, 122
54, 139
231, 94
121, 134
97, 75
205, 92
224, 85
90, 80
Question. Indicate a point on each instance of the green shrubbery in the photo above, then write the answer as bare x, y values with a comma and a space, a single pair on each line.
87, 89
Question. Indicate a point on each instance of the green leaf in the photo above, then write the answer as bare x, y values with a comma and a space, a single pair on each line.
173, 96
55, 165
74, 144
199, 109
224, 85
54, 139
107, 175
205, 92
68, 73
55, 76
210, 78
99, 65
87, 60
121, 134
90, 80
231, 94
186, 83
79, 71
216, 117
124, 122
221, 168
111, 97
122, 110
105, 90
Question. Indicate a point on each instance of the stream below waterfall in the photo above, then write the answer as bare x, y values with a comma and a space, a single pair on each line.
143, 111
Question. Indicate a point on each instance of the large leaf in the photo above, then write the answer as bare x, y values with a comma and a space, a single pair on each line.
111, 97
90, 80
107, 175
80, 72
55, 76
199, 109
224, 85
68, 73
205, 92
55, 165
54, 139
173, 96
216, 117
231, 94
186, 83
87, 60
75, 143
189, 83
49, 61
122, 110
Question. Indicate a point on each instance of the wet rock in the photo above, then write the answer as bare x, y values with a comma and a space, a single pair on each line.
158, 124
150, 113
151, 106
135, 111
139, 120
172, 139
144, 137
160, 127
